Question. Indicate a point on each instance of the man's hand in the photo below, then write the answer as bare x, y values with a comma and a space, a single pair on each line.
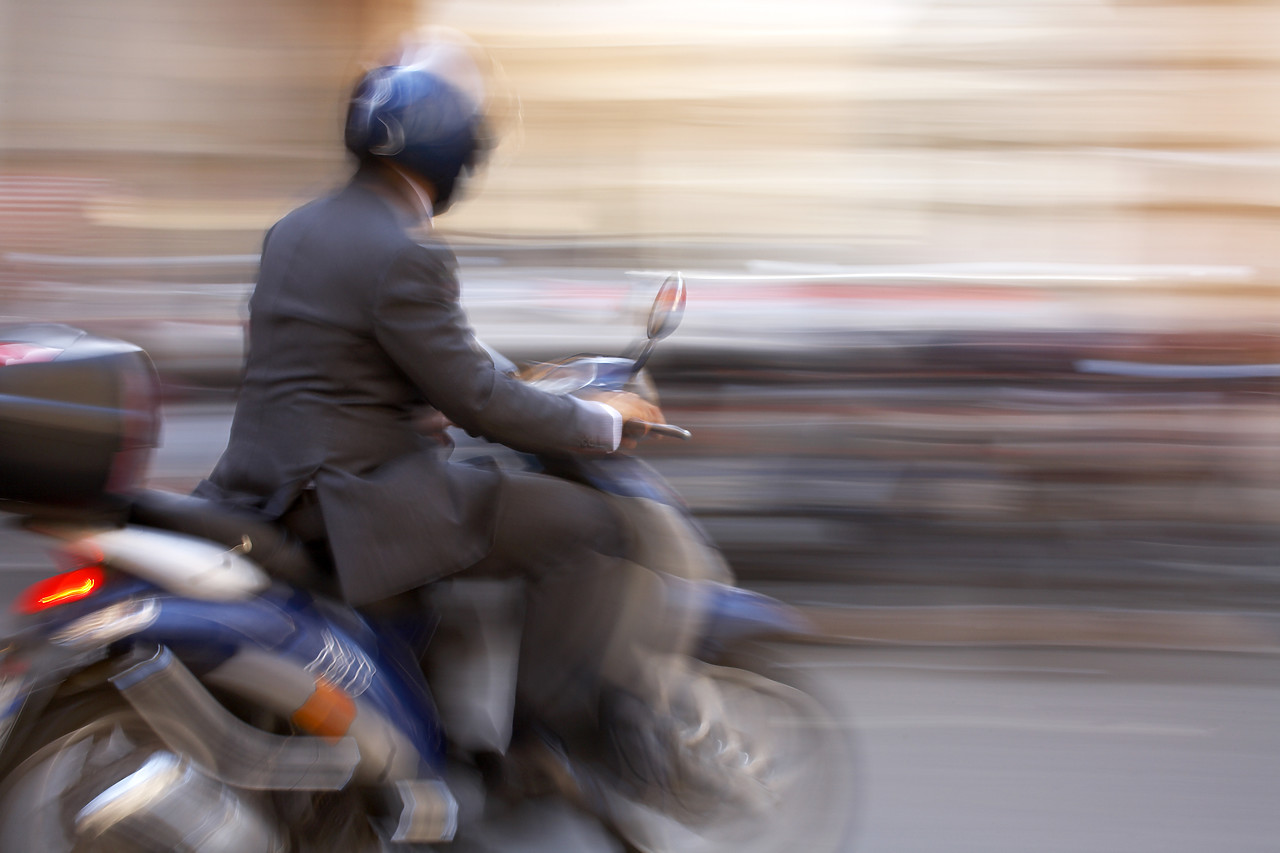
637, 413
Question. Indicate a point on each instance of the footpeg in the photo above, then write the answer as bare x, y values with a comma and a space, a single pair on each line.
424, 810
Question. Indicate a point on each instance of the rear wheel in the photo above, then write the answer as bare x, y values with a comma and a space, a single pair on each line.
766, 766
92, 777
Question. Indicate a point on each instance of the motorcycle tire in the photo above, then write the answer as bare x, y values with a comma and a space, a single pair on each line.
90, 776
787, 760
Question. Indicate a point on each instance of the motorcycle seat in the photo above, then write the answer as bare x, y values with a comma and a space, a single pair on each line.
281, 554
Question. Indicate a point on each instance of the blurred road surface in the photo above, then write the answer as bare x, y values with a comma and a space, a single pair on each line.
1013, 751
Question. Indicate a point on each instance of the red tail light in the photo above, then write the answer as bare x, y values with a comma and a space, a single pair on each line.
60, 589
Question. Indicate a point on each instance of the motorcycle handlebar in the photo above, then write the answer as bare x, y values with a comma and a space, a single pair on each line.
667, 429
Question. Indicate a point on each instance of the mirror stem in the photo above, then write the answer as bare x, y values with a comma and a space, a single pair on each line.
641, 358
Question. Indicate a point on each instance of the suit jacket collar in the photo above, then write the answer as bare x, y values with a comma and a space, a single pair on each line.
385, 183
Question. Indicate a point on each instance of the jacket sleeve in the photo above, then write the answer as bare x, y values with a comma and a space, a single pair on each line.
419, 322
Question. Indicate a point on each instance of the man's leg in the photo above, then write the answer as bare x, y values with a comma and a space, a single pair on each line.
566, 541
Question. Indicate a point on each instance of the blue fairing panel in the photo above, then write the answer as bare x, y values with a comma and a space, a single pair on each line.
331, 641
734, 615
377, 669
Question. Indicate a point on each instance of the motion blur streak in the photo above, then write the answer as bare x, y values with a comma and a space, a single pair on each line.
982, 293
985, 278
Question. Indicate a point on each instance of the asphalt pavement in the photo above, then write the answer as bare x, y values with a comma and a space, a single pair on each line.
1001, 750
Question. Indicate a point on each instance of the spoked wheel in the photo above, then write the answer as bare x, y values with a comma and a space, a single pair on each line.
94, 778
764, 767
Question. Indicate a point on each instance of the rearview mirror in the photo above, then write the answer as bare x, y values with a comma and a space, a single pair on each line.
668, 308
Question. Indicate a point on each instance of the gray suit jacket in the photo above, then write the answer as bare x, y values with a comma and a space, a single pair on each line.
353, 328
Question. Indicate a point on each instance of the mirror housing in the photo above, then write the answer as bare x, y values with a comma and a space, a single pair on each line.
668, 308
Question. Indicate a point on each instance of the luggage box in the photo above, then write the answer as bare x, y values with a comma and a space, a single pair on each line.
79, 415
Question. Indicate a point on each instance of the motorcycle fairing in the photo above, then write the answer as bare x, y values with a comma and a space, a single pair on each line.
734, 615
288, 626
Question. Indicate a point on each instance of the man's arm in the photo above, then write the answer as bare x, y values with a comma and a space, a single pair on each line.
420, 323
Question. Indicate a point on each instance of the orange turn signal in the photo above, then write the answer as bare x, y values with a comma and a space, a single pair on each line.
328, 712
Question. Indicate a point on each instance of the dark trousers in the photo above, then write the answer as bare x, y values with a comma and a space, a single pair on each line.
566, 542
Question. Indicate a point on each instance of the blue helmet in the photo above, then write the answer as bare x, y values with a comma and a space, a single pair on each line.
426, 115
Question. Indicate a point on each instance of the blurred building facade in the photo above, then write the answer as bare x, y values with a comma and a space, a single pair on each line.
142, 127
1088, 131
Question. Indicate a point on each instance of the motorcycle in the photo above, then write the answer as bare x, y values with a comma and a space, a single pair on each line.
190, 682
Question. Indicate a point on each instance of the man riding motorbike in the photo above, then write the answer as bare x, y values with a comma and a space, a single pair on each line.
357, 339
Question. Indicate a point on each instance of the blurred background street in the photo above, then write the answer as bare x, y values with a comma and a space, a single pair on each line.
982, 345
982, 293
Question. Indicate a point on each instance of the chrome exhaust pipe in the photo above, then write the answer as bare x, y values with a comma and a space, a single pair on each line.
167, 804
191, 722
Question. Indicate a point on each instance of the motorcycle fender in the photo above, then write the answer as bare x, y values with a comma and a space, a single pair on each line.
30, 676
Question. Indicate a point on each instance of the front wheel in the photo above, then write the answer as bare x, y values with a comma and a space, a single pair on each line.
771, 767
